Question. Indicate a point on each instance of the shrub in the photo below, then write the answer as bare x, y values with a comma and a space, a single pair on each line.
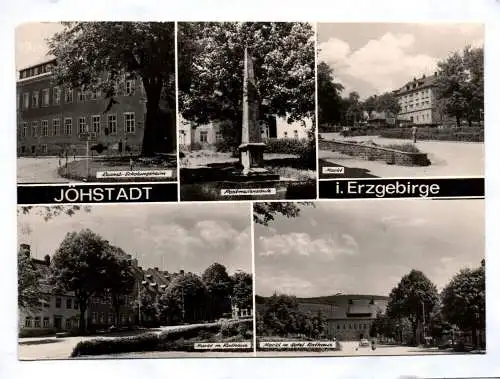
287, 146
406, 147
145, 342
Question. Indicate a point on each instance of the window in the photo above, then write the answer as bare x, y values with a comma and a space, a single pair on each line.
34, 128
80, 95
27, 322
26, 100
218, 136
110, 318
18, 101
34, 99
68, 126
112, 126
129, 122
45, 322
46, 304
68, 95
102, 318
123, 318
68, 303
35, 71
56, 124
33, 149
45, 97
56, 95
203, 136
295, 134
129, 87
45, 128
43, 149
75, 304
94, 317
69, 323
93, 95
350, 326
82, 128
338, 326
37, 322
96, 124
25, 129
76, 323
58, 302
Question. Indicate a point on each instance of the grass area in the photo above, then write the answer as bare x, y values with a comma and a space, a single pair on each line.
176, 339
405, 147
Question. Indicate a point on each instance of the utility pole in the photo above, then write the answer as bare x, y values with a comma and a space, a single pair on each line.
139, 283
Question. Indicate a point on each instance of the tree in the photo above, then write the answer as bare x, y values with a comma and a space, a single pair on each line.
242, 290
460, 85
211, 71
329, 99
81, 265
464, 300
413, 298
184, 300
382, 326
354, 112
219, 286
149, 307
99, 55
53, 211
265, 212
29, 292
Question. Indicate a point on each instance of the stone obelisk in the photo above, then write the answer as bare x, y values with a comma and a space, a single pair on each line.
252, 147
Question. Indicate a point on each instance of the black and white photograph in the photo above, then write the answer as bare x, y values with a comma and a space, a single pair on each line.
400, 100
370, 278
175, 282
96, 102
246, 111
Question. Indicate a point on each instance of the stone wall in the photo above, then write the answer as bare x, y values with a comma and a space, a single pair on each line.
372, 152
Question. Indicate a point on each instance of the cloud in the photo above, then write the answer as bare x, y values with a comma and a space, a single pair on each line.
402, 221
302, 244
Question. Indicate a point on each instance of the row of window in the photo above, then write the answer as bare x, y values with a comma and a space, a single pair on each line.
34, 71
39, 322
43, 99
353, 326
417, 105
423, 93
100, 318
42, 129
69, 303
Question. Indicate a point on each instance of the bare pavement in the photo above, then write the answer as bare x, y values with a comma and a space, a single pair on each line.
39, 170
447, 158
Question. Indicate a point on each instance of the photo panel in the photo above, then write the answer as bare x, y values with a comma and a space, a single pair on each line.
400, 100
96, 102
370, 278
247, 111
176, 282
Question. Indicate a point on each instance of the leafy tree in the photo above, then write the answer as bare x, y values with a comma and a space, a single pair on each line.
29, 292
185, 300
413, 298
387, 102
265, 212
464, 300
99, 55
354, 112
149, 306
382, 326
49, 213
219, 286
329, 99
242, 290
81, 265
211, 71
460, 85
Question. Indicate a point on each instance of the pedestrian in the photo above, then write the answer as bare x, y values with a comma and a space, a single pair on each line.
373, 345
414, 133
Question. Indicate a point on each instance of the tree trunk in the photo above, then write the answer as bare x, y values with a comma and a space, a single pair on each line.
458, 121
116, 306
152, 140
82, 305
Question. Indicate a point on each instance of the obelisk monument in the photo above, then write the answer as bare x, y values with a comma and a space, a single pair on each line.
252, 147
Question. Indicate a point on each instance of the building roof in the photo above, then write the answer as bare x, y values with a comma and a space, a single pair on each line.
417, 84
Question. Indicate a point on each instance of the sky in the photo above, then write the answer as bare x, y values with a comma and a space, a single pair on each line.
188, 236
373, 58
31, 44
366, 246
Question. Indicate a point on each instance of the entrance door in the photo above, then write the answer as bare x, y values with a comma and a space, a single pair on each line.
58, 322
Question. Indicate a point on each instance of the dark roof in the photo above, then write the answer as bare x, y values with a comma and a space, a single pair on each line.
422, 82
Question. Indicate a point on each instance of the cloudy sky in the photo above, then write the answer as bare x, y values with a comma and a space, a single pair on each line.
372, 58
187, 236
31, 45
365, 247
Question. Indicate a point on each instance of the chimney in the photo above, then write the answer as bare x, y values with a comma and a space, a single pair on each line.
423, 76
435, 73
181, 272
47, 259
26, 249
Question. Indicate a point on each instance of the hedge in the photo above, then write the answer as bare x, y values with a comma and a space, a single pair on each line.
287, 146
446, 134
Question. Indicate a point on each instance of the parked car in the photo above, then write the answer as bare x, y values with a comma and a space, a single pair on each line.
364, 343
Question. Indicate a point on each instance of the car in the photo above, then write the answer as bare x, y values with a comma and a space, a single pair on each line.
364, 342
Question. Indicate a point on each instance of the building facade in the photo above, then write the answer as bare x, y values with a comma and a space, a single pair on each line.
53, 118
417, 100
349, 317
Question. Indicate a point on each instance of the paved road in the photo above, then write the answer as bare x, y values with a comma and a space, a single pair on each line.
349, 349
39, 170
447, 158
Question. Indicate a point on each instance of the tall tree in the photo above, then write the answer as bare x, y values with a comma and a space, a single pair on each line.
265, 212
329, 99
211, 71
464, 300
99, 55
29, 291
242, 293
460, 85
413, 298
354, 112
81, 265
219, 286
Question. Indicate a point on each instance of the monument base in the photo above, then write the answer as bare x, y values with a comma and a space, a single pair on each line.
251, 156
253, 175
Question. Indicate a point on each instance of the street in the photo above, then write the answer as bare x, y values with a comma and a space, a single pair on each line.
349, 349
447, 158
39, 170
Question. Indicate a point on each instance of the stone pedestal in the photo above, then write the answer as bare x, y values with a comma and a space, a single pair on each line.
252, 157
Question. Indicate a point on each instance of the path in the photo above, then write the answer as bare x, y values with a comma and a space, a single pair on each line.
447, 158
39, 170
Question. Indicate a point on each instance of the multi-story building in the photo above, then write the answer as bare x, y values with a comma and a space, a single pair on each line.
417, 100
52, 118
349, 317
